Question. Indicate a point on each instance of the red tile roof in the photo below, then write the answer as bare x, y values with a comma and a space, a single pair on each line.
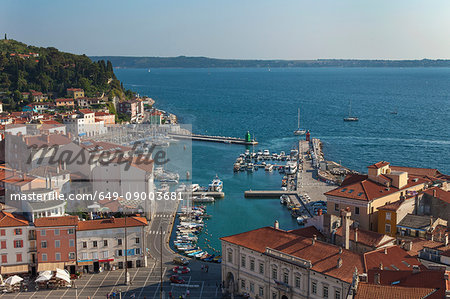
391, 258
323, 256
64, 100
392, 206
85, 111
307, 232
368, 190
418, 244
422, 172
111, 223
9, 220
378, 164
56, 221
368, 238
407, 278
366, 290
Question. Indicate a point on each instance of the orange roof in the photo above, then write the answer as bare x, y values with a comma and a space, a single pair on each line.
392, 206
53, 139
56, 221
391, 258
378, 164
366, 290
323, 256
101, 113
307, 232
418, 244
64, 100
407, 278
85, 111
417, 171
111, 223
9, 220
369, 238
368, 190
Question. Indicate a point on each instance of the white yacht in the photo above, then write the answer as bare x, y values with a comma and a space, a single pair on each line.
216, 185
299, 131
291, 167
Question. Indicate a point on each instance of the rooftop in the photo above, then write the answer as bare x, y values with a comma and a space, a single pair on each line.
10, 220
366, 290
111, 223
56, 221
369, 238
323, 256
390, 258
417, 222
378, 165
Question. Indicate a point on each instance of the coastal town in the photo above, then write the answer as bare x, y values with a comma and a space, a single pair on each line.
360, 234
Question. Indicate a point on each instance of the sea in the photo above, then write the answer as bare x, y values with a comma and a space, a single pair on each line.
404, 118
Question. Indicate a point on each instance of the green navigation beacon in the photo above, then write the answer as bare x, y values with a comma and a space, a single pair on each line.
248, 138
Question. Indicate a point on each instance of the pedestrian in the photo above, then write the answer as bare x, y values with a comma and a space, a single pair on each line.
202, 267
207, 268
170, 295
187, 293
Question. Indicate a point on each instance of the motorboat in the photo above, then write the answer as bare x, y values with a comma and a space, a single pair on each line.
194, 187
291, 167
203, 198
269, 167
250, 167
216, 185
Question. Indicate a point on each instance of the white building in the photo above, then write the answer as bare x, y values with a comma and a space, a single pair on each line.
277, 264
83, 123
101, 243
17, 244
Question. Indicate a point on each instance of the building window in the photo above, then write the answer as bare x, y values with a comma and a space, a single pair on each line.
297, 281
252, 265
71, 255
105, 243
84, 256
261, 268
357, 210
119, 252
325, 291
274, 295
18, 257
388, 215
95, 255
44, 257
18, 231
105, 254
44, 244
56, 232
252, 287
337, 294
2, 232
138, 240
71, 243
274, 273
243, 284
57, 244
387, 228
243, 261
58, 256
230, 256
286, 278
138, 251
84, 244
94, 243
3, 244
336, 207
261, 291
119, 242
43, 232
314, 287
70, 231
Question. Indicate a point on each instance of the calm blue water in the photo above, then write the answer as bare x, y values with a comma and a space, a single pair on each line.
231, 101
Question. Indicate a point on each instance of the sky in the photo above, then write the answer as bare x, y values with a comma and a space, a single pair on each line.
240, 29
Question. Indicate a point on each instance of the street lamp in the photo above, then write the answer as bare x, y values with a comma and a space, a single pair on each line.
126, 254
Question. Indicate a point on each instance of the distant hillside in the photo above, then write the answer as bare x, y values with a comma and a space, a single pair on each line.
24, 68
204, 62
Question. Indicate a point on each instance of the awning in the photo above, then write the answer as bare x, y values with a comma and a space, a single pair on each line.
84, 263
14, 269
72, 263
49, 266
105, 261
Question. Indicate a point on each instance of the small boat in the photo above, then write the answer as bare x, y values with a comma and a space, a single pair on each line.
250, 167
350, 117
299, 131
216, 185
269, 167
194, 187
203, 198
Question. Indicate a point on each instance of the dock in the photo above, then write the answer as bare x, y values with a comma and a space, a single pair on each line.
214, 194
219, 139
267, 193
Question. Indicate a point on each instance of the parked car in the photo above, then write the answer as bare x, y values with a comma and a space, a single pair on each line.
177, 279
179, 260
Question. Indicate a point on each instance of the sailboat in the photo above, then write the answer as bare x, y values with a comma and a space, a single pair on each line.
350, 117
299, 131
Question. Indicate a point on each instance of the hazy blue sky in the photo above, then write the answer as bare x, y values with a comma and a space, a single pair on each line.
285, 29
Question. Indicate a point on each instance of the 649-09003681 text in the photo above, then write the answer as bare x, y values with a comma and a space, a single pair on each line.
102, 196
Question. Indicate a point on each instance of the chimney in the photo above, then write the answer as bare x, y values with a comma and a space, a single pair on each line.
313, 241
415, 269
381, 266
385, 250
446, 239
340, 250
434, 192
408, 245
339, 263
276, 225
377, 278
356, 235
346, 227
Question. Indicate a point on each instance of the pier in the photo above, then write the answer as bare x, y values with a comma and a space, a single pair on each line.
219, 139
214, 194
267, 193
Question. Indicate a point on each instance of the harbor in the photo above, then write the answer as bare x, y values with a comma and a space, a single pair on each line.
221, 139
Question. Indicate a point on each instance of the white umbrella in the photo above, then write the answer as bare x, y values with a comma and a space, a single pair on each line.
13, 280
44, 276
63, 274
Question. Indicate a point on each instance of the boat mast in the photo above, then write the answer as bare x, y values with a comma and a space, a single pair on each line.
350, 108
298, 118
